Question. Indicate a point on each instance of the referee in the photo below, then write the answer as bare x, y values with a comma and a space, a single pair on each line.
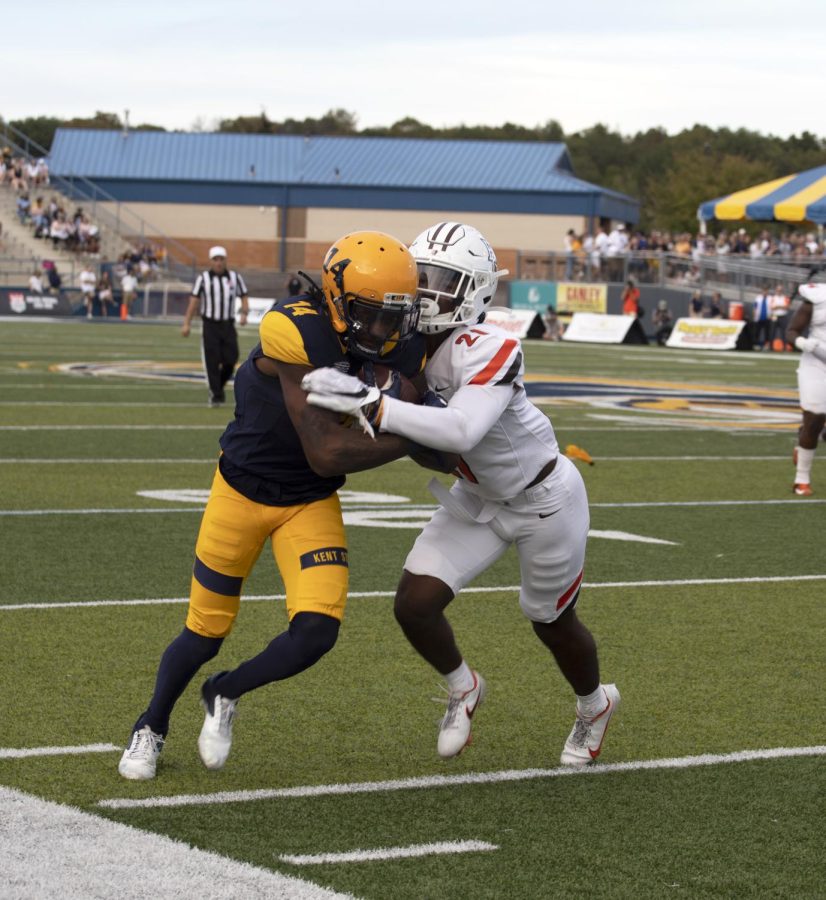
213, 295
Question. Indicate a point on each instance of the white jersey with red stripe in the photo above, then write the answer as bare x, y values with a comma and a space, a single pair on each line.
816, 295
503, 439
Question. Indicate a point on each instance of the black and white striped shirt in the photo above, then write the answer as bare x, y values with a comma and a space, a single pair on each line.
218, 293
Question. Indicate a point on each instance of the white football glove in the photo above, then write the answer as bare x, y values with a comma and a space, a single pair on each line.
805, 345
330, 389
811, 345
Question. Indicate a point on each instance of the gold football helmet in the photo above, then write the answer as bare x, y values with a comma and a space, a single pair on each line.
369, 281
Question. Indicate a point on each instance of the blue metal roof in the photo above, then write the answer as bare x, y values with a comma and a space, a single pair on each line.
369, 161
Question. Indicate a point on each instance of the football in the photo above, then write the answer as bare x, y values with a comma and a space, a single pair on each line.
384, 377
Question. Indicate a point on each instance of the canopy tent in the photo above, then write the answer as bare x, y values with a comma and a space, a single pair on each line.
794, 198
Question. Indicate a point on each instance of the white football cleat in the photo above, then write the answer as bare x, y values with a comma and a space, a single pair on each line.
454, 731
215, 739
585, 740
140, 758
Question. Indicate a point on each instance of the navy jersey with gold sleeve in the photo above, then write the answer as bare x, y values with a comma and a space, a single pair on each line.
262, 454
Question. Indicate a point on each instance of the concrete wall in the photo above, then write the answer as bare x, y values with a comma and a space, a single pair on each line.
252, 234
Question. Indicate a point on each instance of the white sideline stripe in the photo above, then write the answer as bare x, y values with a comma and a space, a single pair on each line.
22, 460
438, 781
651, 503
380, 853
254, 598
25, 752
49, 850
91, 427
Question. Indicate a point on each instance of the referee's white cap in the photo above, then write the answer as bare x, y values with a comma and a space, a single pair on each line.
217, 251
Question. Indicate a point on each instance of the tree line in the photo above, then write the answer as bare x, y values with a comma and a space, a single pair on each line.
669, 173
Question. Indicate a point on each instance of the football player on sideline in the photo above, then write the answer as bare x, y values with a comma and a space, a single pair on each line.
811, 379
514, 487
281, 465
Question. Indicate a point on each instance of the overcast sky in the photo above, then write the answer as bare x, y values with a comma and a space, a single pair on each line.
630, 65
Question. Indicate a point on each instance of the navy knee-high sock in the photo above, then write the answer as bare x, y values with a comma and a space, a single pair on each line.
179, 663
308, 638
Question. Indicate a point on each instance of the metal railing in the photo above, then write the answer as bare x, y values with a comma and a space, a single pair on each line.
737, 278
126, 224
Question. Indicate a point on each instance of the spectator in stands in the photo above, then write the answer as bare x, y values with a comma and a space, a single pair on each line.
88, 285
129, 287
663, 322
553, 327
761, 320
61, 232
599, 251
24, 206
36, 283
695, 305
106, 295
18, 175
779, 303
570, 256
55, 281
39, 219
714, 310
631, 299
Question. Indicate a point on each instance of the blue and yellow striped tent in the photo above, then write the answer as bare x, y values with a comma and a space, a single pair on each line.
794, 198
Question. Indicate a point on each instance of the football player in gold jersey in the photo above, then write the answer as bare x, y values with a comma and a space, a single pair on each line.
281, 464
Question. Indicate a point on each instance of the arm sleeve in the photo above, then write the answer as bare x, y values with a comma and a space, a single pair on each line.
456, 428
242, 287
282, 340
198, 286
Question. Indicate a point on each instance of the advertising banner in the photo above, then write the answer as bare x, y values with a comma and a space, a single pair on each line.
573, 297
521, 323
258, 306
533, 295
709, 334
22, 302
590, 328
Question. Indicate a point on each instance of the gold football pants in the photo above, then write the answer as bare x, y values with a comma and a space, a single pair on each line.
308, 544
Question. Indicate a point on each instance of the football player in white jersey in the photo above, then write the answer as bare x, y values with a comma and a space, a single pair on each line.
811, 379
514, 488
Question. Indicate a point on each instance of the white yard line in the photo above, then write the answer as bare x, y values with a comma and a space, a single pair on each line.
161, 404
382, 853
49, 850
508, 588
663, 503
97, 511
26, 752
786, 456
437, 781
22, 460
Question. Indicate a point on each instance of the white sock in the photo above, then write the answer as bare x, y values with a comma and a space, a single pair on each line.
460, 680
592, 705
805, 458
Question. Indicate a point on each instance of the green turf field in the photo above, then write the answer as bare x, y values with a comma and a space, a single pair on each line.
705, 585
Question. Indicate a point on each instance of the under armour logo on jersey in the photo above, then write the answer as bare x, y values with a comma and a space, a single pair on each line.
444, 234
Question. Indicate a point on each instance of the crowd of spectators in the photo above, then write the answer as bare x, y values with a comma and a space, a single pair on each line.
50, 222
22, 174
602, 256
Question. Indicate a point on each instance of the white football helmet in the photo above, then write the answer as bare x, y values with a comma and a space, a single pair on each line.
455, 264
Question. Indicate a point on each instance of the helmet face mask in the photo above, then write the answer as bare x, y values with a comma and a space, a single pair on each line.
369, 282
457, 276
371, 326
